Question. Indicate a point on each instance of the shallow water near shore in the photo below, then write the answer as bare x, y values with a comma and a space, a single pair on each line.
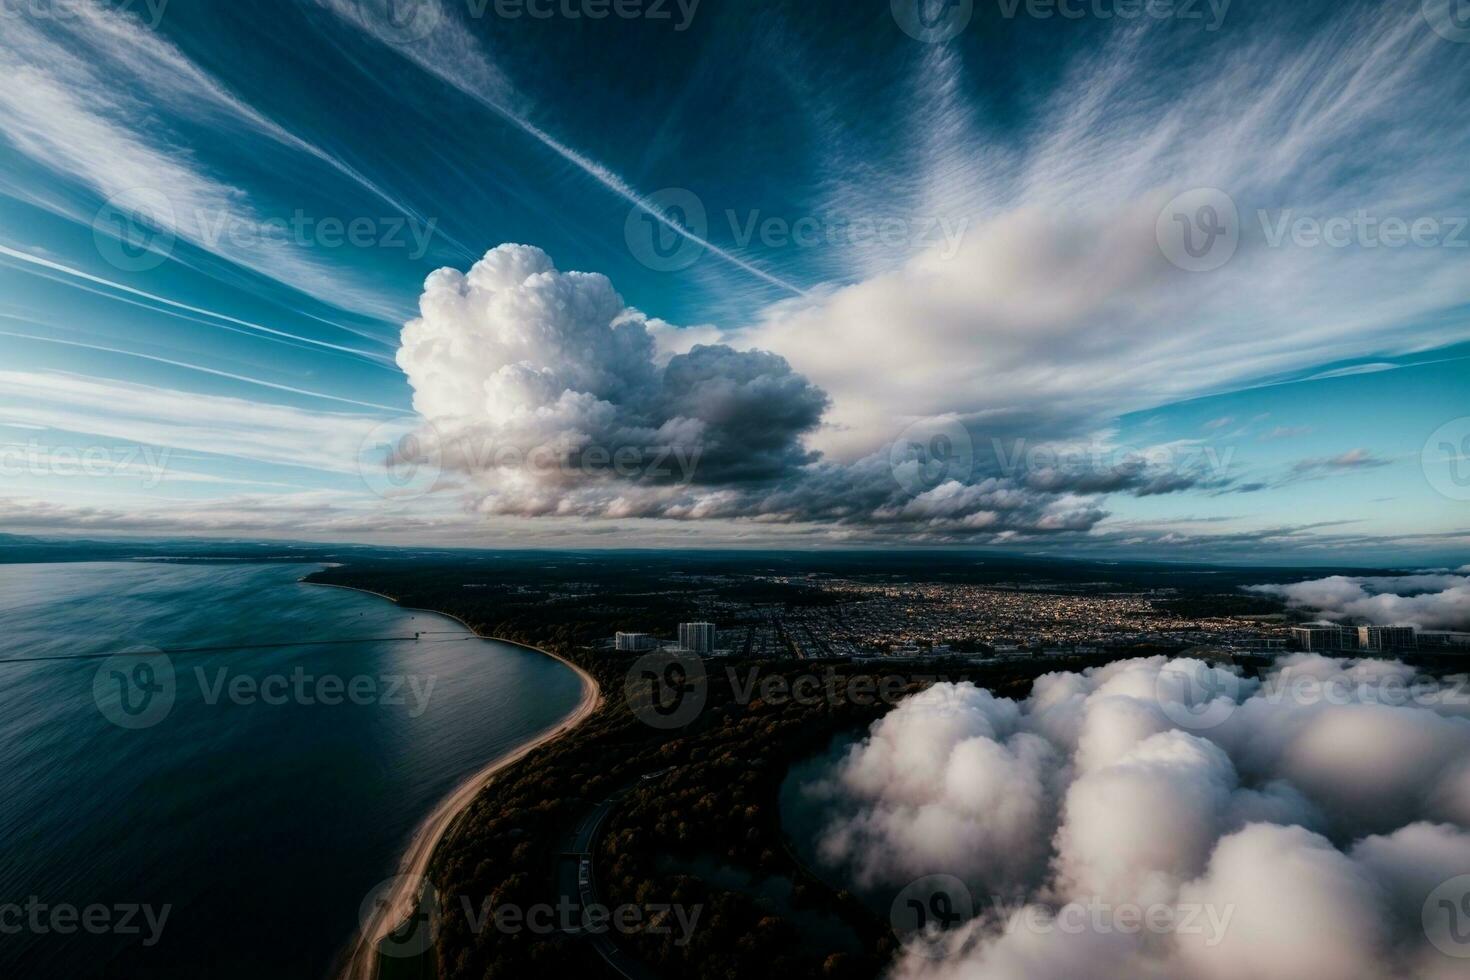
260, 802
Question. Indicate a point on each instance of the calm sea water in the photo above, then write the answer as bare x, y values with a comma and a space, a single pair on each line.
260, 826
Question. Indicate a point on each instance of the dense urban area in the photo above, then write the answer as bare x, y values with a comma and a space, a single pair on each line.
861, 606
847, 618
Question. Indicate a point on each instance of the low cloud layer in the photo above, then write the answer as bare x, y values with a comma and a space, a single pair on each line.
1438, 601
1302, 819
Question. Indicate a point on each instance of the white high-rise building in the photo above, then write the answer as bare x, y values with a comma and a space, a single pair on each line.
697, 637
1320, 639
1378, 638
633, 642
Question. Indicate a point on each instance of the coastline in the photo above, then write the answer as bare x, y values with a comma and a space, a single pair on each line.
360, 962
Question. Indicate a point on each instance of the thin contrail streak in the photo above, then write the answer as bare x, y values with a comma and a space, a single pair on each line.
115, 26
588, 166
68, 270
621, 188
197, 367
187, 317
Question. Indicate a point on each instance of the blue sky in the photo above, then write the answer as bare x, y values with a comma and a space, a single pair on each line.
216, 219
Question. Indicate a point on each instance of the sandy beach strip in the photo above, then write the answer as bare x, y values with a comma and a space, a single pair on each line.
361, 963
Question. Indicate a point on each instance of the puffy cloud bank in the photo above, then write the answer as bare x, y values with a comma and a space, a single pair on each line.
545, 384
1435, 601
546, 395
1292, 826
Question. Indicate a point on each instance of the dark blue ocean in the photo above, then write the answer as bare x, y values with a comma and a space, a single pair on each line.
258, 796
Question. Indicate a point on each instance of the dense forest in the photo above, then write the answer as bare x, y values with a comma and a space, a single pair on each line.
706, 791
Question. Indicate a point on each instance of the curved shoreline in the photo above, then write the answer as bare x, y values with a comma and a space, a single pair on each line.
361, 962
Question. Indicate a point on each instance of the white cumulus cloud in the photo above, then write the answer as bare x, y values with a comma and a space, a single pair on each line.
1289, 826
1428, 601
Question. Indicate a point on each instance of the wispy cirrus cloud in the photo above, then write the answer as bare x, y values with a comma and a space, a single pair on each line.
214, 424
100, 118
1286, 432
452, 53
1353, 459
1060, 304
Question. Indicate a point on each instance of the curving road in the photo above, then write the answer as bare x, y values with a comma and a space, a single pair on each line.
578, 848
